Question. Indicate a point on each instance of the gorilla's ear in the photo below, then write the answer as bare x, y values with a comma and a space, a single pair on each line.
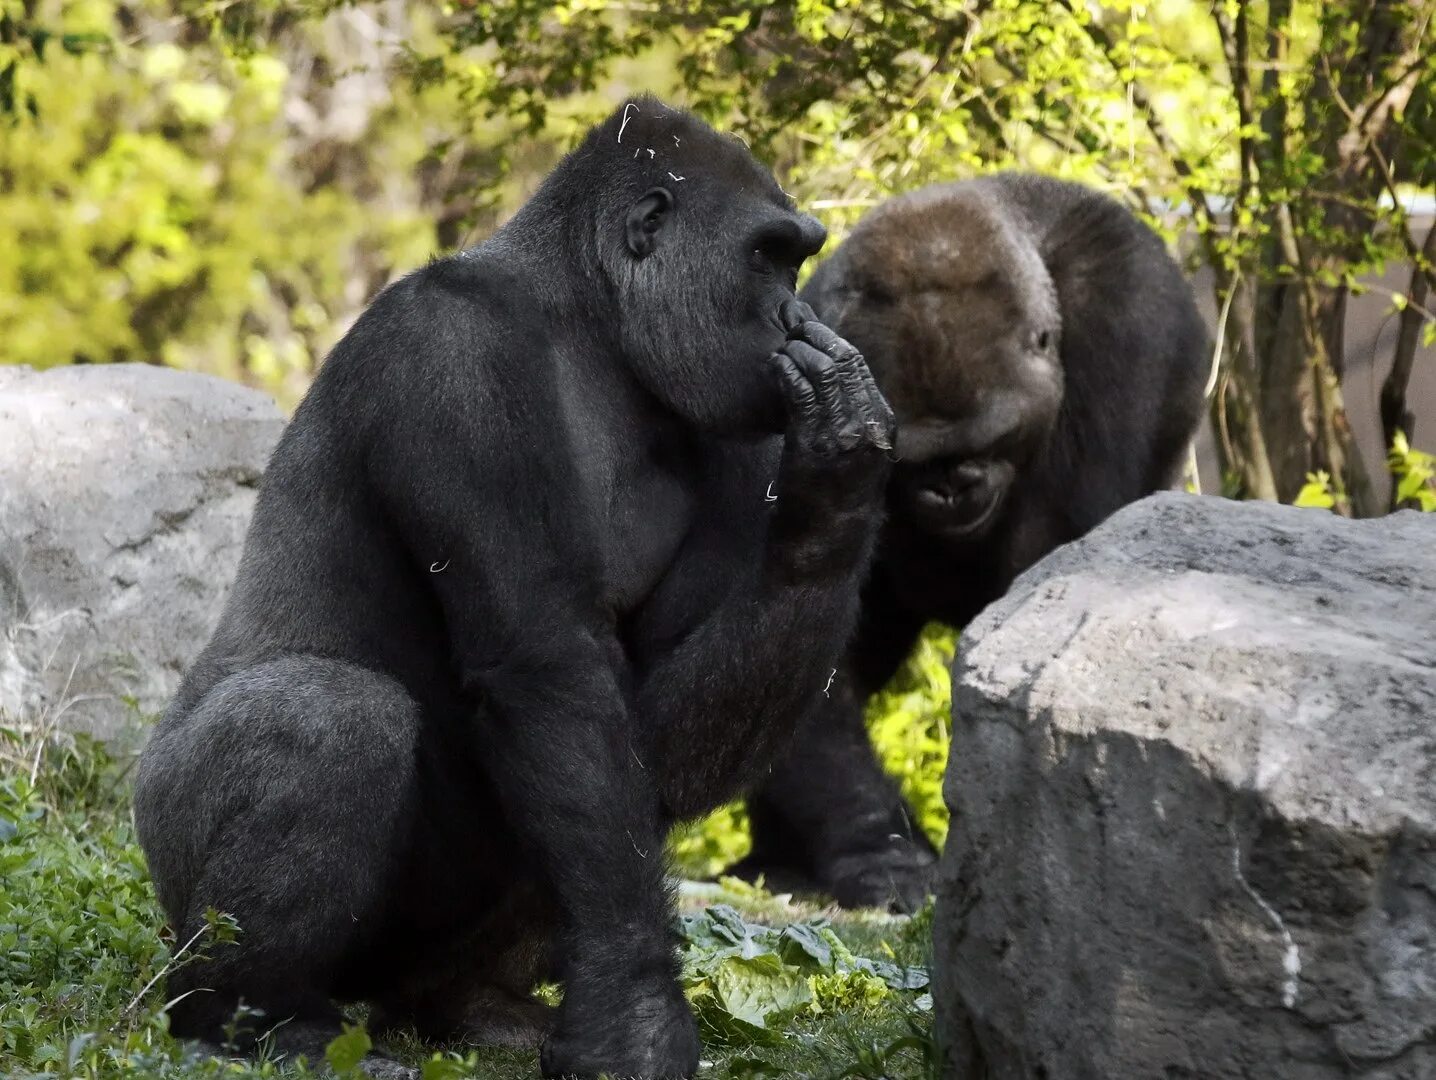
646, 218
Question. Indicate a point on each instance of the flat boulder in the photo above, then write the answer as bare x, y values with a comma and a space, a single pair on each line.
125, 492
1193, 794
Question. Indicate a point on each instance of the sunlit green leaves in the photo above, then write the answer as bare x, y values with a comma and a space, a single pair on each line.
346, 1051
151, 210
911, 725
744, 978
1414, 472
1317, 492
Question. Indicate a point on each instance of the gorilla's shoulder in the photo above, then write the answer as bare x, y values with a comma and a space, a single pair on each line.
466, 309
459, 331
460, 293
1065, 213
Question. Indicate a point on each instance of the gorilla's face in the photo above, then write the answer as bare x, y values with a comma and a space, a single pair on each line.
710, 261
958, 319
966, 433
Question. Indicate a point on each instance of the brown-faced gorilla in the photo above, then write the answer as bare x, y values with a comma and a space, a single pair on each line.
1046, 361
514, 601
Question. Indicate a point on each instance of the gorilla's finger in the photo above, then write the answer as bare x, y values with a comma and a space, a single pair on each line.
876, 416
798, 396
857, 394
841, 417
820, 370
824, 338
882, 423
857, 380
864, 397
794, 313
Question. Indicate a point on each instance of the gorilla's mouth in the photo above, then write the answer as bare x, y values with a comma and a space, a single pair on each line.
958, 500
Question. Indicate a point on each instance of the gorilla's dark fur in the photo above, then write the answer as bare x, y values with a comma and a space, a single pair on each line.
513, 601
1046, 362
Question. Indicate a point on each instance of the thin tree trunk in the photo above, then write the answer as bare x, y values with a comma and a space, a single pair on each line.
1395, 416
1236, 405
1303, 411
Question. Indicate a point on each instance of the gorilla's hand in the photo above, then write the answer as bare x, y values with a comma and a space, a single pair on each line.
835, 409
836, 453
898, 878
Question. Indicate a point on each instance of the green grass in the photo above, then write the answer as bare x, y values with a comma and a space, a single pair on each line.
83, 952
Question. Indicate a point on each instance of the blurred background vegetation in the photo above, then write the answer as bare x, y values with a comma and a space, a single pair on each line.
222, 185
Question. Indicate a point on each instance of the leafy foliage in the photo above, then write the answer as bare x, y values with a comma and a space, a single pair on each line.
1317, 492
159, 206
1412, 470
26, 38
1415, 473
911, 725
78, 943
745, 978
702, 848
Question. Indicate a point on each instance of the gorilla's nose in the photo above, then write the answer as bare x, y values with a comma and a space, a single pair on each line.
813, 235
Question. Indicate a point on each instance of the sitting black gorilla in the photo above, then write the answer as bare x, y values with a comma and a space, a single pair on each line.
1046, 361
515, 599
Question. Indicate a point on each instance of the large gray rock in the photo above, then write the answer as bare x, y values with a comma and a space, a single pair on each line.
1193, 785
125, 491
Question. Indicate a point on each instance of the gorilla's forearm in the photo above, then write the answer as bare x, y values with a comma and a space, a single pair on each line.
557, 740
744, 679
745, 676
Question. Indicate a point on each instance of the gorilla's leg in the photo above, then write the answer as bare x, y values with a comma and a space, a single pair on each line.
828, 819
284, 799
479, 990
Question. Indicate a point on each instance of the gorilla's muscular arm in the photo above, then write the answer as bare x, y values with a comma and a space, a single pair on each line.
540, 665
772, 643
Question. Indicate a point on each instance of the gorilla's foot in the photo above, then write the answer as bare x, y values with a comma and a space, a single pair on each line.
648, 1036
500, 1018
491, 1016
899, 877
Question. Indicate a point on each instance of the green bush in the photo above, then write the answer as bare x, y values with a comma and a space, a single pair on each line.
154, 207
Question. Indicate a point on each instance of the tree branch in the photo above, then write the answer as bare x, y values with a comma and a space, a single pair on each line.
1407, 78
1394, 414
1369, 115
1371, 143
1237, 50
